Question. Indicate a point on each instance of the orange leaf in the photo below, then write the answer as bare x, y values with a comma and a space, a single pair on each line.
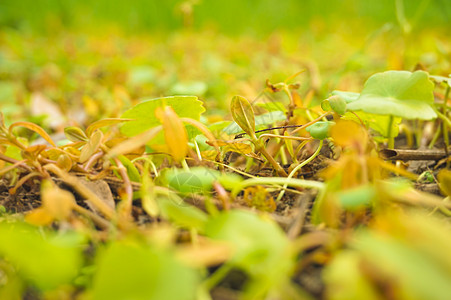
35, 128
174, 132
39, 217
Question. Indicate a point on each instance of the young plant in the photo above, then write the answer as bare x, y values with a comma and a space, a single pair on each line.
243, 115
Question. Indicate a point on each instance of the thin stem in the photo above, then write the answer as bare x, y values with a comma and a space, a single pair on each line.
24, 179
217, 276
294, 182
391, 139
98, 220
290, 137
260, 147
310, 123
444, 118
16, 162
298, 167
185, 165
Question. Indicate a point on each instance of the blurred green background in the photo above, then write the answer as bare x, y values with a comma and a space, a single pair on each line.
232, 16
94, 59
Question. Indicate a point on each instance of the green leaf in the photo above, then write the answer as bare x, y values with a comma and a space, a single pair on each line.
319, 130
419, 276
132, 172
128, 270
173, 208
397, 93
199, 180
357, 198
261, 247
243, 114
348, 97
46, 260
378, 123
335, 103
261, 121
143, 114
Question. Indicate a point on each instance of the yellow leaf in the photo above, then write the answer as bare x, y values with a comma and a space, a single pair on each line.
243, 114
444, 179
64, 162
91, 146
241, 148
75, 134
348, 133
174, 132
39, 217
56, 202
35, 128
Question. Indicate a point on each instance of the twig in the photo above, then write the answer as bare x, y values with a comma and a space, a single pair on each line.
407, 154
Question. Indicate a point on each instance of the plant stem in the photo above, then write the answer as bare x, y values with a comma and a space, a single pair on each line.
261, 147
391, 139
298, 167
301, 183
217, 276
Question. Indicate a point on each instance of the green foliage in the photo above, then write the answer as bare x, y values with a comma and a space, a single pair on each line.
157, 231
397, 93
180, 213
143, 114
199, 180
129, 270
43, 259
335, 103
260, 248
357, 198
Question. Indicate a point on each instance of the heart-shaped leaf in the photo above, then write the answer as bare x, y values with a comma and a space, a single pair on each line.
397, 93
